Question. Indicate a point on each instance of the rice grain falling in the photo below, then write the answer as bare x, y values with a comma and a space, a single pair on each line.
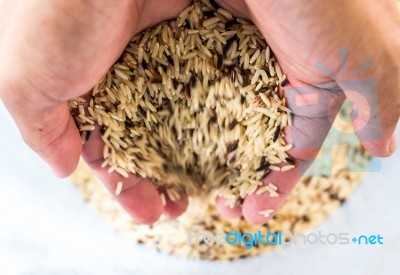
266, 213
193, 104
118, 190
163, 199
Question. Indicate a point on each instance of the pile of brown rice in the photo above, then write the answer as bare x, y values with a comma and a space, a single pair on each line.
193, 104
311, 201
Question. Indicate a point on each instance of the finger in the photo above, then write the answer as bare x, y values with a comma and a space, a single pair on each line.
313, 109
227, 211
373, 124
138, 196
63, 153
259, 208
50, 132
173, 208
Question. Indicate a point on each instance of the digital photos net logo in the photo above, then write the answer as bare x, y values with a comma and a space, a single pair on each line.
279, 238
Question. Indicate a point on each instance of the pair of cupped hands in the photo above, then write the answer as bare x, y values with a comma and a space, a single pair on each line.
53, 51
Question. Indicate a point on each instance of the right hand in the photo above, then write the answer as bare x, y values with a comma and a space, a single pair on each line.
301, 33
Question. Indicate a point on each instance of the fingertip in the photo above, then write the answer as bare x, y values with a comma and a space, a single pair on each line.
142, 202
254, 209
381, 148
63, 172
258, 209
173, 209
227, 211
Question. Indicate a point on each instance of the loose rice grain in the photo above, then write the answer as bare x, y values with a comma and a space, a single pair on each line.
118, 190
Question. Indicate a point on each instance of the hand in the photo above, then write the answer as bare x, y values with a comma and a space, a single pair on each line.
302, 33
53, 51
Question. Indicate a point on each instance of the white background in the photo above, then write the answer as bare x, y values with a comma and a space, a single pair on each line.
46, 228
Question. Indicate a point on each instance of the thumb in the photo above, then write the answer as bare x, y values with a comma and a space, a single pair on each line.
375, 113
49, 131
59, 142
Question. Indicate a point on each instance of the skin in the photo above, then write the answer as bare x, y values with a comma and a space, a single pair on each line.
48, 45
